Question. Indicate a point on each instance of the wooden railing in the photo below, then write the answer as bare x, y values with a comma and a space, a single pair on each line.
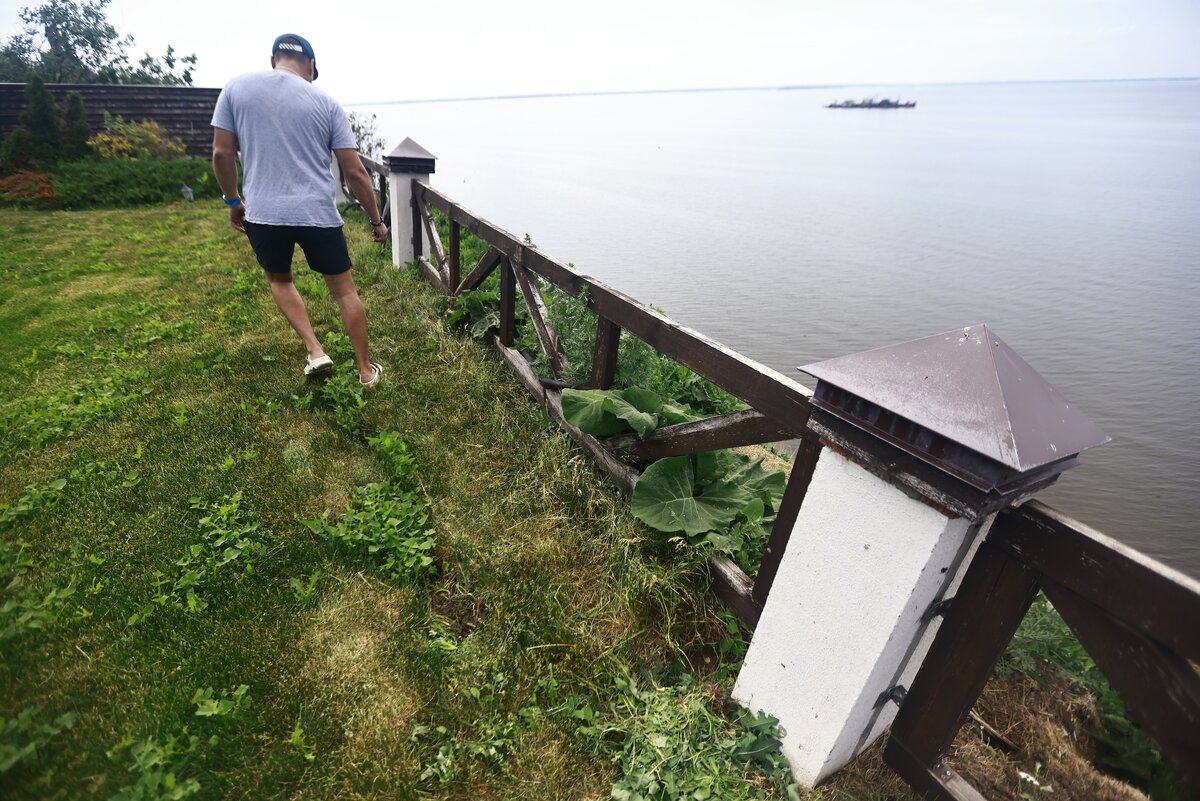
379, 184
777, 406
1139, 620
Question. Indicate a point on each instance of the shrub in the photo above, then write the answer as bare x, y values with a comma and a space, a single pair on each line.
75, 129
16, 152
135, 140
131, 182
40, 118
28, 190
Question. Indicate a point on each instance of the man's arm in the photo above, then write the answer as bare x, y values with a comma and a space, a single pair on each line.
359, 183
224, 161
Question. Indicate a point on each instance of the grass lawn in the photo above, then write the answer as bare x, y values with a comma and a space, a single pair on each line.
171, 627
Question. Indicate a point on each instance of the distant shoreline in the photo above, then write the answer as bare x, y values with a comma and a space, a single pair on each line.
779, 88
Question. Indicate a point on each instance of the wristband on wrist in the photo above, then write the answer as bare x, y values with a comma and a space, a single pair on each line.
237, 199
375, 223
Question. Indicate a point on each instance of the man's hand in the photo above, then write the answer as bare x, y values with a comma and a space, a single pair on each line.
380, 233
237, 216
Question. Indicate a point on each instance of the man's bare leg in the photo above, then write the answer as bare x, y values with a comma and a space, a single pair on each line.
288, 299
354, 319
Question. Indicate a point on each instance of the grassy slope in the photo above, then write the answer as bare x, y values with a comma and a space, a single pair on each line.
550, 591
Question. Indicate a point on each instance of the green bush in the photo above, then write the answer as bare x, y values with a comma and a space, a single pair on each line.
135, 140
131, 182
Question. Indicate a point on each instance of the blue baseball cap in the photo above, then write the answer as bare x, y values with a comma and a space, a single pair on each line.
301, 46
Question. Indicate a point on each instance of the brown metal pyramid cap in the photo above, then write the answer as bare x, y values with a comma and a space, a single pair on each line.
409, 157
408, 149
971, 387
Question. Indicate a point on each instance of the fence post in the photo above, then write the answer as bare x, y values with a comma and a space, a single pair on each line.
407, 162
925, 442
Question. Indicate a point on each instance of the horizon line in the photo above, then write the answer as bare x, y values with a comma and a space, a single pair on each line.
764, 88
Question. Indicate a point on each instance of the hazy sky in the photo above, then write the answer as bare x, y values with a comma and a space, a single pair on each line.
418, 50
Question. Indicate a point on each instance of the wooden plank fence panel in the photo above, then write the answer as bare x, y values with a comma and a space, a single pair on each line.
184, 111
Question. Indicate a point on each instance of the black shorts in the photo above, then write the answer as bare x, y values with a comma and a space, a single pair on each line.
324, 248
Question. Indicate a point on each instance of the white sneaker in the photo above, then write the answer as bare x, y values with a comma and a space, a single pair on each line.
377, 369
316, 365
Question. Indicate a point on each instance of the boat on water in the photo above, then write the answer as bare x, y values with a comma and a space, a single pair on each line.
873, 103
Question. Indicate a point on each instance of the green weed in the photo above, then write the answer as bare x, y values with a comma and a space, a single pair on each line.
303, 589
227, 544
157, 766
300, 745
386, 527
24, 606
34, 498
56, 413
224, 703
22, 736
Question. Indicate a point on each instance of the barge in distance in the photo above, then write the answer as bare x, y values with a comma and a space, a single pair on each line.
885, 103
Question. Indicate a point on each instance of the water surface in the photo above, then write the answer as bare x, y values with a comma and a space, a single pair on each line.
1065, 216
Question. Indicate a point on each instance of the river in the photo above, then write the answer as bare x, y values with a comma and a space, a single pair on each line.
1066, 216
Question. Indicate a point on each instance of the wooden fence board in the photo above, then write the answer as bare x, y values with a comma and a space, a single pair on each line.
435, 243
803, 467
487, 263
1145, 594
604, 355
735, 588
746, 427
1160, 688
541, 324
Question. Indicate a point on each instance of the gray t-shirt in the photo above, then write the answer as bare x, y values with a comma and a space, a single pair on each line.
286, 129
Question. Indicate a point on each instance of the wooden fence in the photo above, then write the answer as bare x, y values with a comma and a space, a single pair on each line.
1139, 620
184, 111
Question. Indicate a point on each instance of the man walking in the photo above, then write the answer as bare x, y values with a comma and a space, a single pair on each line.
286, 128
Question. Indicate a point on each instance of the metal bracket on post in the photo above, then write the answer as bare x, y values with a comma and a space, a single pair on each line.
896, 694
937, 609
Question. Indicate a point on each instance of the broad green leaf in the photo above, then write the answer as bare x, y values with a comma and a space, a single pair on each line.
643, 423
766, 485
668, 498
643, 400
677, 413
592, 411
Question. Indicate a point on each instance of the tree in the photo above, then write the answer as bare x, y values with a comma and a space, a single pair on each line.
72, 41
370, 143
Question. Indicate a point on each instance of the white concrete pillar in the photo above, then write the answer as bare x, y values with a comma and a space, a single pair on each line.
863, 564
339, 194
408, 161
929, 439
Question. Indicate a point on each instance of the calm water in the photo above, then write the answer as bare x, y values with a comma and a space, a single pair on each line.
1066, 216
